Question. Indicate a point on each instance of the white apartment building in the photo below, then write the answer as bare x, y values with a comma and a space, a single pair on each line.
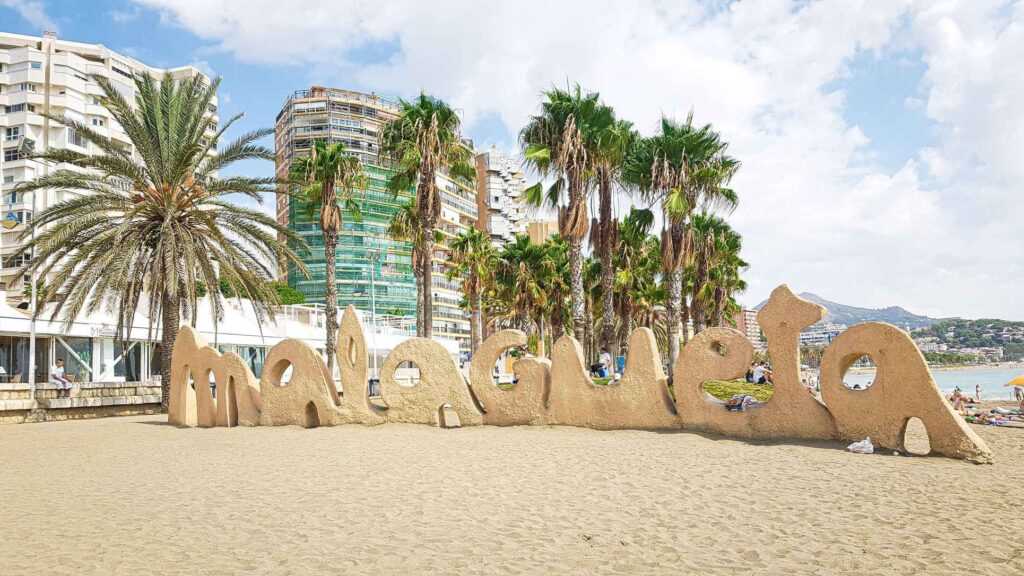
72, 92
500, 183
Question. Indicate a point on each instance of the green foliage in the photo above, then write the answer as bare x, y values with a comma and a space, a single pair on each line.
288, 295
725, 389
950, 358
150, 225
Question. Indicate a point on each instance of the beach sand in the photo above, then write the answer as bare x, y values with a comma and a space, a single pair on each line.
136, 496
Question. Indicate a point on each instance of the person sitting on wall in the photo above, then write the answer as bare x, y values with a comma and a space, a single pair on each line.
57, 378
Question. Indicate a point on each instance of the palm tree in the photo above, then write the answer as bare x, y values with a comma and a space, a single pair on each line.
635, 264
151, 225
472, 258
716, 268
615, 141
684, 167
405, 227
423, 140
564, 141
329, 178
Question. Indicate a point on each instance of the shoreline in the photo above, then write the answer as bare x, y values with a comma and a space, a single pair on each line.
955, 367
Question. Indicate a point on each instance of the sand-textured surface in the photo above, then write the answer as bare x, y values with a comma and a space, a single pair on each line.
138, 496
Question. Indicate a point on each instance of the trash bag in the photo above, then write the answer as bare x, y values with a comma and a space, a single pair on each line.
862, 447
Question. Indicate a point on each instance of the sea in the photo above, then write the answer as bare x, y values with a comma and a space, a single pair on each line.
992, 380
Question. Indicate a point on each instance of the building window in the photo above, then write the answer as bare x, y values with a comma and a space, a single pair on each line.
37, 65
12, 154
12, 133
75, 138
27, 86
77, 356
95, 100
128, 363
121, 72
98, 122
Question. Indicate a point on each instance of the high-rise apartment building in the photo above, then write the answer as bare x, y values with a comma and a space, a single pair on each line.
365, 248
746, 322
500, 182
24, 63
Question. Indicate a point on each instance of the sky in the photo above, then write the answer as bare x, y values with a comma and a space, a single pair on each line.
879, 138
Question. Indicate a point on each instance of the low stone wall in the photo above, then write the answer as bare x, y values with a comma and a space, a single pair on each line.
88, 400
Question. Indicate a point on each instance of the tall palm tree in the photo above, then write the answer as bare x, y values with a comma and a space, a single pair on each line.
684, 168
423, 140
332, 180
472, 258
152, 225
564, 141
615, 141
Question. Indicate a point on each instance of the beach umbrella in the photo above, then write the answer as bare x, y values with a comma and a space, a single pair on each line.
1018, 381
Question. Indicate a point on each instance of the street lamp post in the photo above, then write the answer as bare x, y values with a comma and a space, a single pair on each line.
48, 39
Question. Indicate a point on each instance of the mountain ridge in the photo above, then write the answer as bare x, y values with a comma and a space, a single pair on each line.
849, 315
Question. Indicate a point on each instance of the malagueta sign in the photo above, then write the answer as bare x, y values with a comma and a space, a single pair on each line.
558, 391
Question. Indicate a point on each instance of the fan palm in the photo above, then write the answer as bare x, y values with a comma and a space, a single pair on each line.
563, 141
155, 224
330, 179
405, 227
684, 167
472, 258
716, 269
423, 140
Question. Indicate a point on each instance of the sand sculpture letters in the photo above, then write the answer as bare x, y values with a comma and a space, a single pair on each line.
560, 392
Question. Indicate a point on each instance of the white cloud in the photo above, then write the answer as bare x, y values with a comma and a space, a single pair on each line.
125, 16
33, 12
938, 234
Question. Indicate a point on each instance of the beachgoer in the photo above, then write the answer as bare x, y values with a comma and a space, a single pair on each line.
758, 374
1018, 393
606, 363
57, 377
977, 392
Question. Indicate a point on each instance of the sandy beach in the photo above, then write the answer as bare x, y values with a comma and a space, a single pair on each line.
137, 496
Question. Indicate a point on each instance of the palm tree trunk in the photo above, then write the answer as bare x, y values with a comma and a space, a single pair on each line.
579, 320
170, 310
428, 278
417, 269
685, 316
331, 296
673, 305
475, 326
608, 340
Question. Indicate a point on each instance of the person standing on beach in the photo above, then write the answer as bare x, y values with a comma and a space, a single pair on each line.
977, 392
1018, 394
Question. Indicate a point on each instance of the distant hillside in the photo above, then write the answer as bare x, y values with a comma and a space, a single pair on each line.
985, 333
850, 315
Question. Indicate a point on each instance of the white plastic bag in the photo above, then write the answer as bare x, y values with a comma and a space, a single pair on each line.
862, 447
